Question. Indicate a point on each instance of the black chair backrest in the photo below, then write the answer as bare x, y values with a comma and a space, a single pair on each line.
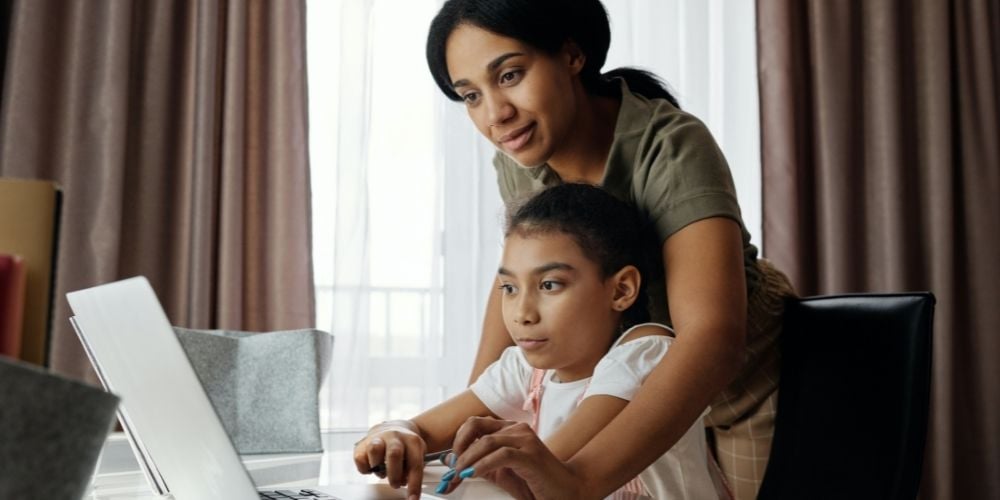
853, 397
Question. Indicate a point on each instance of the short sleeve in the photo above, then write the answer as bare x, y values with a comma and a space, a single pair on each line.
626, 366
503, 386
683, 175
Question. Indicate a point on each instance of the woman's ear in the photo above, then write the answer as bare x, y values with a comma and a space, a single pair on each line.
626, 287
574, 56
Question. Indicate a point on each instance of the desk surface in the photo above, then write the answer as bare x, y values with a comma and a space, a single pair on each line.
119, 477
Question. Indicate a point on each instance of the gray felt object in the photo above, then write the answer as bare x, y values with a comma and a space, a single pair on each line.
51, 432
264, 386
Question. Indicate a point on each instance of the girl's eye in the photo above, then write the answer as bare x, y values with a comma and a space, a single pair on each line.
550, 285
471, 97
507, 289
510, 76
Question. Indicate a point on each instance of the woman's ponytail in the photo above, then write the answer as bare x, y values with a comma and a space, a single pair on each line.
642, 82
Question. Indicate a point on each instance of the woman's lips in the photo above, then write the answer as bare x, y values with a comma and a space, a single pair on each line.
531, 344
518, 139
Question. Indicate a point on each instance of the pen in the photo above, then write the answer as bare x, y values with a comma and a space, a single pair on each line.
428, 458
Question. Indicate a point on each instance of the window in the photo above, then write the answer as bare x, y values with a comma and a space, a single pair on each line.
406, 214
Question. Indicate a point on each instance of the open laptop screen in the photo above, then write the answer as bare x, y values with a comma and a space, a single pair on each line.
140, 359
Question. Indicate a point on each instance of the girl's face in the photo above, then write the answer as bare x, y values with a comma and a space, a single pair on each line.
556, 305
521, 99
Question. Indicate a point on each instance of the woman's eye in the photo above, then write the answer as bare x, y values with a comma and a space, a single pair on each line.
510, 76
471, 97
507, 289
550, 285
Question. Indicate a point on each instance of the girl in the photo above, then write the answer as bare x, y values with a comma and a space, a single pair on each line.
573, 301
529, 75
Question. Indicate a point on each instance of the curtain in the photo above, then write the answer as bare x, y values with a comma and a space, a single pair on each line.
881, 169
408, 228
177, 131
380, 158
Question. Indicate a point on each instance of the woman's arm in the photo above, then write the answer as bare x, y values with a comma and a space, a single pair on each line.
707, 298
495, 337
706, 286
594, 413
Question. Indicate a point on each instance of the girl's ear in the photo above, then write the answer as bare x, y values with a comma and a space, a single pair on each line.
626, 287
574, 56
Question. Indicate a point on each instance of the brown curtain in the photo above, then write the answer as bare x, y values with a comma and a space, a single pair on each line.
881, 164
178, 131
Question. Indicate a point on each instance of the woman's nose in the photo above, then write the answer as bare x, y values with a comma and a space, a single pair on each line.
499, 109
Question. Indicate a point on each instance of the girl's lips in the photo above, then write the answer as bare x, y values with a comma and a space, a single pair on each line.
531, 344
519, 139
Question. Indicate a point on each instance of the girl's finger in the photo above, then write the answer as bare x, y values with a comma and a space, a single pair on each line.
513, 435
475, 428
415, 465
375, 452
361, 458
490, 460
395, 452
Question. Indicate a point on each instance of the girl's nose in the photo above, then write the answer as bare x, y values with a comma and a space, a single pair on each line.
527, 313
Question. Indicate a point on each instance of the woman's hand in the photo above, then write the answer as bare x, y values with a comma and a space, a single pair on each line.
397, 445
511, 455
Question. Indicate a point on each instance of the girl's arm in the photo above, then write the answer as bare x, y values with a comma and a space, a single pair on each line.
401, 444
495, 337
438, 425
707, 297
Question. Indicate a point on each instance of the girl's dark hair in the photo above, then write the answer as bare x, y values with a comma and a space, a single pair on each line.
606, 229
545, 25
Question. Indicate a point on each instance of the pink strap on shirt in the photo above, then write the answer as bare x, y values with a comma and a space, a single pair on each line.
534, 401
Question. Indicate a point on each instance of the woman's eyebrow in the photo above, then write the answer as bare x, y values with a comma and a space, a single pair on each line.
491, 67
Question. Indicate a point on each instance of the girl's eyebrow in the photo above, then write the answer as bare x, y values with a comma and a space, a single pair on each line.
491, 67
541, 269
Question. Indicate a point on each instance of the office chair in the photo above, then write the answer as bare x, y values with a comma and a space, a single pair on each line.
853, 398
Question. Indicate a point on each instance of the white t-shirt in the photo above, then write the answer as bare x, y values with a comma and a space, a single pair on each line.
680, 473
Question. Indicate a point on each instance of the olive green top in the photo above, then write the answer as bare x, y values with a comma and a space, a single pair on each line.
664, 162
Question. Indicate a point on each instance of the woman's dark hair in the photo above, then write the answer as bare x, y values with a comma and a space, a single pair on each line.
545, 25
606, 229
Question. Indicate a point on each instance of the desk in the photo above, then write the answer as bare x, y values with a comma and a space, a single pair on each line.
119, 477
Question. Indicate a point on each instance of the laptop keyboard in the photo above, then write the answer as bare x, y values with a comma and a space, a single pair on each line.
296, 495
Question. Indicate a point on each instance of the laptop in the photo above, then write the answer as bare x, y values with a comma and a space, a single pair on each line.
174, 431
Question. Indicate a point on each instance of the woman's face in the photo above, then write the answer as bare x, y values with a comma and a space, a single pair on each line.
520, 98
556, 305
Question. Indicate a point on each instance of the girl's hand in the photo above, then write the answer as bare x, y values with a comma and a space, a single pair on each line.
512, 456
400, 448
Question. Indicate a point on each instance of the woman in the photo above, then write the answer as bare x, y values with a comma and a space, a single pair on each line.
528, 72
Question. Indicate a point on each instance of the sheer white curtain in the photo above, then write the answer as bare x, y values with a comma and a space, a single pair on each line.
406, 210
